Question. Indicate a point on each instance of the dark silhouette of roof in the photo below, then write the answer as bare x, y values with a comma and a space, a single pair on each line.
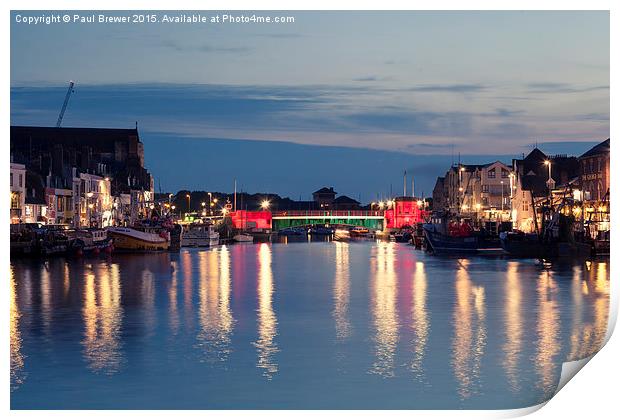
343, 199
600, 149
79, 136
325, 190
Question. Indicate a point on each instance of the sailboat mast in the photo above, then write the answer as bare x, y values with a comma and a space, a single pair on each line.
235, 197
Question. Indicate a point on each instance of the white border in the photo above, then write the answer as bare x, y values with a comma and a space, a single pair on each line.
593, 395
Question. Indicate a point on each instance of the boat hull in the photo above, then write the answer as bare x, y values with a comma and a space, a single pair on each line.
243, 238
127, 239
533, 248
444, 244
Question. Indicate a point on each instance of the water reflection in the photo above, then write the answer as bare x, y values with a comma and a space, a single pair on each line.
590, 293
147, 295
46, 298
17, 359
469, 332
420, 322
548, 326
341, 291
513, 325
486, 331
267, 321
385, 317
102, 314
215, 317
173, 310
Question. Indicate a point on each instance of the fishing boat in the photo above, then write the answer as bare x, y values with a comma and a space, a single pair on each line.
522, 245
403, 235
321, 230
89, 241
140, 238
460, 239
243, 237
359, 232
293, 231
199, 235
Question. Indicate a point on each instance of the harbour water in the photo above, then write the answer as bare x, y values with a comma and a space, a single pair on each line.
299, 325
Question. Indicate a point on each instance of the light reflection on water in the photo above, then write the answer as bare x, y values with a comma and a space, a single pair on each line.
17, 358
216, 320
103, 316
341, 291
222, 328
513, 324
267, 322
548, 343
420, 321
469, 332
385, 317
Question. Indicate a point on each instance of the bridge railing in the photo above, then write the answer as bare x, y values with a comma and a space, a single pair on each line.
328, 213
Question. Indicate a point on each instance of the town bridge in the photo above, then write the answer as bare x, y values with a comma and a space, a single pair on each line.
371, 219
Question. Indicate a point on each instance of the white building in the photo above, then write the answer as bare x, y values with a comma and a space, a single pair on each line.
18, 191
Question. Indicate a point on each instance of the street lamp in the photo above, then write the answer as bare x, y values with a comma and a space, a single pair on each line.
189, 205
548, 163
265, 204
502, 182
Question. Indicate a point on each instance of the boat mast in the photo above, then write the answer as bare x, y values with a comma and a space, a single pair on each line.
235, 197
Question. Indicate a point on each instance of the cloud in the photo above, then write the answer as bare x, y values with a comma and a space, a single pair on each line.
367, 79
414, 122
170, 44
457, 88
280, 35
430, 145
551, 87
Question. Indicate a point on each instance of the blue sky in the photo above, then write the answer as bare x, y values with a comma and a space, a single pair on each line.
421, 86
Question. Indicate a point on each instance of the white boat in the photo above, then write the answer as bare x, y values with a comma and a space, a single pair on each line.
243, 237
199, 235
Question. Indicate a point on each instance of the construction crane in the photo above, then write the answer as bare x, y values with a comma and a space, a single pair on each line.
65, 103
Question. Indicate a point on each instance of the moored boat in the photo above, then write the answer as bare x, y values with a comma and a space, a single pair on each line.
243, 237
141, 238
293, 231
199, 235
470, 242
89, 240
521, 245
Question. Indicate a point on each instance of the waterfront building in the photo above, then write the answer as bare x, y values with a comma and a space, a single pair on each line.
324, 197
18, 191
250, 220
35, 206
440, 195
60, 208
345, 203
536, 177
594, 172
478, 191
404, 211
103, 169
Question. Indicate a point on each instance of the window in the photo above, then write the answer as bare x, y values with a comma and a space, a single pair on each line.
491, 173
525, 207
14, 200
11, 179
21, 180
504, 173
485, 188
